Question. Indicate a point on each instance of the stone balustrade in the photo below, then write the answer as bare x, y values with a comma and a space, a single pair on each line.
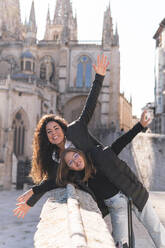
71, 219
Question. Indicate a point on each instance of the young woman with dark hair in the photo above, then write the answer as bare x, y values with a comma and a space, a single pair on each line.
53, 135
43, 149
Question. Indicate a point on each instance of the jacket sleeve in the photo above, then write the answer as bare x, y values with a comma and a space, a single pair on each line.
45, 186
118, 145
34, 199
40, 190
91, 101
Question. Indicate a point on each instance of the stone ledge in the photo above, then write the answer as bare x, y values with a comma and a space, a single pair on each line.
71, 218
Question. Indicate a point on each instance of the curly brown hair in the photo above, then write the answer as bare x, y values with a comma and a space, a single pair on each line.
43, 149
65, 175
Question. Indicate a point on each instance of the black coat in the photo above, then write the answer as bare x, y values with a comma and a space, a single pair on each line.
77, 132
120, 175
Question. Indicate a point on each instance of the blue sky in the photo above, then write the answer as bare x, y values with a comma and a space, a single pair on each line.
137, 22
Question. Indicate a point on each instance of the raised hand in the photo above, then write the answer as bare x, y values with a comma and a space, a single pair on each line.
24, 197
21, 210
101, 66
145, 120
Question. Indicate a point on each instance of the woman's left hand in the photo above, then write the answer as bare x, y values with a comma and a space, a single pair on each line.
101, 66
145, 120
21, 210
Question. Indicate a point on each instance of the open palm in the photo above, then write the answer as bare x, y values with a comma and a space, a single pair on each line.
101, 66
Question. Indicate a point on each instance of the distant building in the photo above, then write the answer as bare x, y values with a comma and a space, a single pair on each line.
160, 79
52, 75
150, 107
125, 113
135, 120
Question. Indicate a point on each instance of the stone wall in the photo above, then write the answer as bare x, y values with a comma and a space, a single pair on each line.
71, 219
146, 157
2, 169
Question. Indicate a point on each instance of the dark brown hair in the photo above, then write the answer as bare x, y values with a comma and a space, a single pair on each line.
65, 174
43, 149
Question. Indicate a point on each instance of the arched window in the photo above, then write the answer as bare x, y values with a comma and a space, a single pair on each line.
84, 72
27, 62
22, 65
43, 71
47, 69
28, 66
19, 135
33, 67
56, 36
5, 69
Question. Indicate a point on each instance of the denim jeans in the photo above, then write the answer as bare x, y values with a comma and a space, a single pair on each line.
117, 206
118, 210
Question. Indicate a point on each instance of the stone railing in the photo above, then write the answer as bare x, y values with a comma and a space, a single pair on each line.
3, 82
71, 219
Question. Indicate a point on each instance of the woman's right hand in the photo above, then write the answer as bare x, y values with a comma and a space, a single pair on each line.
101, 66
24, 197
21, 210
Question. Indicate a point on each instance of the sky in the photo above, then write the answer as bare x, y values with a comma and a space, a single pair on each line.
137, 22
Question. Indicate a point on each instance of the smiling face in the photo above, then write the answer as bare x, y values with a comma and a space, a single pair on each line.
74, 161
55, 134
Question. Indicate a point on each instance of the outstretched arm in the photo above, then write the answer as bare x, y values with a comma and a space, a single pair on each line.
22, 207
100, 69
40, 190
30, 197
25, 202
118, 145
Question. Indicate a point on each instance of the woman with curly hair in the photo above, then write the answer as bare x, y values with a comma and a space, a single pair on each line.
43, 149
52, 135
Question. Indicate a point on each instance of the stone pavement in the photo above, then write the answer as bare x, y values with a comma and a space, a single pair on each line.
16, 232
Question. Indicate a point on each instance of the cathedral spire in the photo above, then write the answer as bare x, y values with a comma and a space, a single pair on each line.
32, 18
62, 11
64, 26
48, 16
31, 27
10, 20
48, 26
109, 8
107, 35
116, 37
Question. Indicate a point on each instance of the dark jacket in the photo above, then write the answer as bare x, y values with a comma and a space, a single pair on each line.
78, 134
119, 174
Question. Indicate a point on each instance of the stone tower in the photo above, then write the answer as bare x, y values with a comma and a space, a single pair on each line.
31, 27
107, 35
110, 43
10, 20
63, 28
159, 89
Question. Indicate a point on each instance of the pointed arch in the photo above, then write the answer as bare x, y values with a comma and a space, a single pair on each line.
19, 125
73, 107
5, 69
47, 68
84, 71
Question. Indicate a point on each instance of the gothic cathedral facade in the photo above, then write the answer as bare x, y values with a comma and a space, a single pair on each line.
52, 75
